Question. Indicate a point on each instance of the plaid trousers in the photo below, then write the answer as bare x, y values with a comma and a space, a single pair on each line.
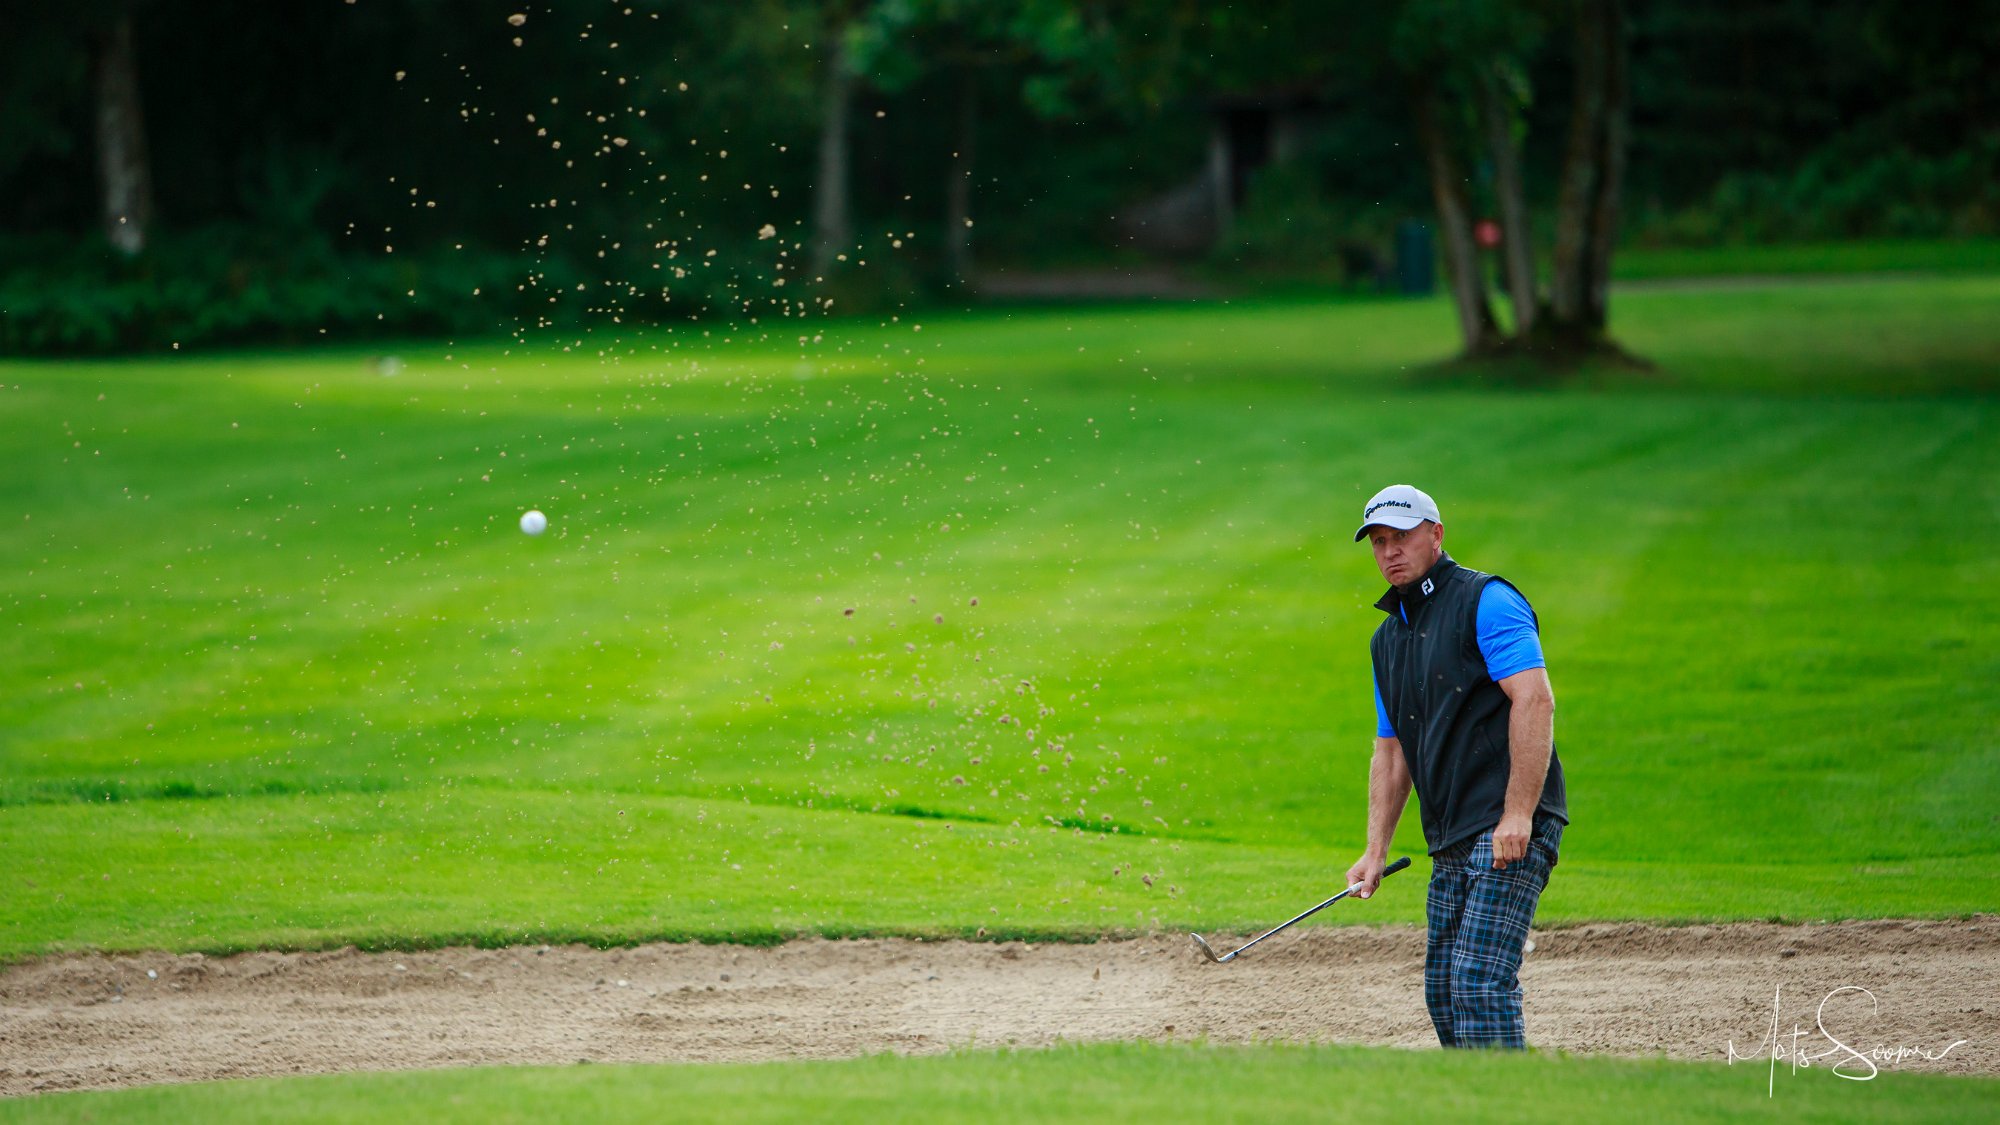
1479, 919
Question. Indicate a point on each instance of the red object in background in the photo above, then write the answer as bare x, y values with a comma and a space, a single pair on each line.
1486, 232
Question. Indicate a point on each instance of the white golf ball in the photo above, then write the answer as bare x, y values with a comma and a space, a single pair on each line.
534, 522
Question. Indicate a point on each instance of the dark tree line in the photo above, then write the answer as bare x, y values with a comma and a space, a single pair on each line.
932, 138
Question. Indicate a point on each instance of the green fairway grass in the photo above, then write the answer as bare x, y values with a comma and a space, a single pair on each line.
1112, 1082
282, 671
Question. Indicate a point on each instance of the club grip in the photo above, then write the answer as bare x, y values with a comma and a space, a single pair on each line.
1395, 867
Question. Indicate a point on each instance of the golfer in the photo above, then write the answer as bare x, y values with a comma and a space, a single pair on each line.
1463, 711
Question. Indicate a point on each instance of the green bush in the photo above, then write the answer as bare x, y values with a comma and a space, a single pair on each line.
235, 284
1845, 192
239, 284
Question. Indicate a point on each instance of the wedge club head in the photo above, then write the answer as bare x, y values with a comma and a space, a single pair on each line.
1207, 951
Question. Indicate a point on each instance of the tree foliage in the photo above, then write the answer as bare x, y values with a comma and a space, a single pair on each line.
587, 142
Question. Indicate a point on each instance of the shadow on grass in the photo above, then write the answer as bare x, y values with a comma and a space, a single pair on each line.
1555, 360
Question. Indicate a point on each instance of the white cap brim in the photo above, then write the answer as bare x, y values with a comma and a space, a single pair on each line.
1400, 523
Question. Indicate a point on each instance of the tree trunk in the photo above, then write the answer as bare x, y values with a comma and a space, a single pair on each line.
1220, 159
123, 172
1615, 132
1583, 172
958, 192
833, 229
1503, 143
1468, 293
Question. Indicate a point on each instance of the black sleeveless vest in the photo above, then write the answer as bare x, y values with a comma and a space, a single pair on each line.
1448, 713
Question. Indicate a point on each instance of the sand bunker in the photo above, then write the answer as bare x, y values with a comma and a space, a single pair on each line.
84, 1022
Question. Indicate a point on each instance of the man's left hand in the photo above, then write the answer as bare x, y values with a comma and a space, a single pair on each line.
1510, 839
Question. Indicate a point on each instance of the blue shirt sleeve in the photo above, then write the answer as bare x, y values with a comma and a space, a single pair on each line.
1508, 639
1383, 728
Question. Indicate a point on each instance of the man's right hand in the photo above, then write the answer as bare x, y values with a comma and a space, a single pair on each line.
1366, 871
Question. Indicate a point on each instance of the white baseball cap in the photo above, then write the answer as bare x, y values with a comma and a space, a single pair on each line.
1400, 506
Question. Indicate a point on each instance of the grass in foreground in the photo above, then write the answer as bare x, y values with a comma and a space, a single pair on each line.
283, 672
1119, 1082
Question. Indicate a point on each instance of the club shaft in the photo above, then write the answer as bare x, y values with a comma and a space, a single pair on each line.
1302, 917
1386, 872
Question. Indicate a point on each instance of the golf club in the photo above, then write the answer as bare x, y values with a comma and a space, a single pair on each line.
1201, 943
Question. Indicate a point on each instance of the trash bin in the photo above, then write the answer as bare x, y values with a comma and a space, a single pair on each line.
1416, 261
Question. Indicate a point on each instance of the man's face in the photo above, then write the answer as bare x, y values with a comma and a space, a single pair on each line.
1405, 556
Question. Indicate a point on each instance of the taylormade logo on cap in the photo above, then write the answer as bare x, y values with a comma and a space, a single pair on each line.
1400, 506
